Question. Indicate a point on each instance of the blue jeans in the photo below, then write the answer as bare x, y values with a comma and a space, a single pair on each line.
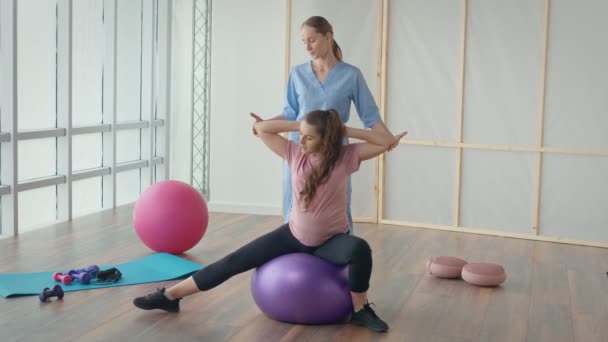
287, 198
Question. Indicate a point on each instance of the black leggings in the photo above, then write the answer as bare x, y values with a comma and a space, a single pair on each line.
341, 249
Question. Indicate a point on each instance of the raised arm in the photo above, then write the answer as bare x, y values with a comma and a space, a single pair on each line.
278, 117
375, 137
258, 119
376, 142
277, 126
380, 126
269, 131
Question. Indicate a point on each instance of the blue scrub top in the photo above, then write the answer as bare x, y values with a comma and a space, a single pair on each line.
344, 84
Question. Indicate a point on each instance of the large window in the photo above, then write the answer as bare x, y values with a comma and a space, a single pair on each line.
83, 105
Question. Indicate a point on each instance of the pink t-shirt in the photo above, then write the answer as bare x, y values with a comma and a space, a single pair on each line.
326, 213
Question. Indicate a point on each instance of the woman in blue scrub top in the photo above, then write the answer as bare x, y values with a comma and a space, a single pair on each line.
325, 82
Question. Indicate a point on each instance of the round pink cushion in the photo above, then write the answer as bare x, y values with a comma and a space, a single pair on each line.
445, 266
483, 274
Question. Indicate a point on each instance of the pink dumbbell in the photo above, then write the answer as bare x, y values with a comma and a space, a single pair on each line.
64, 278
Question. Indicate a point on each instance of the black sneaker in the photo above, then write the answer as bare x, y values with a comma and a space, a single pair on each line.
368, 318
157, 300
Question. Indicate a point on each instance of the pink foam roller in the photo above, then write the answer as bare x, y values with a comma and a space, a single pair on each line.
445, 266
484, 274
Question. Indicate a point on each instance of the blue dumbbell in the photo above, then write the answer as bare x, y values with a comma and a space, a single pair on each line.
47, 293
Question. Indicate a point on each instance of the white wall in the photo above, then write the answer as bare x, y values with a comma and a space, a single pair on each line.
503, 90
247, 75
501, 93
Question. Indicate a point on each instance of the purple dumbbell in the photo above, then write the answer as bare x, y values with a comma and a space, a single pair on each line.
47, 293
82, 277
92, 270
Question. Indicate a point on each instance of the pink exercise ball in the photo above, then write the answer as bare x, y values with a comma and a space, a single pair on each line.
171, 217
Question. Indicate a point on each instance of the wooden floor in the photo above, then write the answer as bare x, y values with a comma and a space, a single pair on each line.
554, 292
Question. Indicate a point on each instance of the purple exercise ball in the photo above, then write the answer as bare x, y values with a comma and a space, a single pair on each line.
302, 288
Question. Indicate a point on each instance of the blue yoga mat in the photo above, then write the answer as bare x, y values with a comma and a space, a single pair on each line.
150, 269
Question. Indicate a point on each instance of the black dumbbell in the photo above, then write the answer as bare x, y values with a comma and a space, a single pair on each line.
47, 293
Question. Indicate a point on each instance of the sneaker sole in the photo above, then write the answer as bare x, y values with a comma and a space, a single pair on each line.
149, 308
361, 324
